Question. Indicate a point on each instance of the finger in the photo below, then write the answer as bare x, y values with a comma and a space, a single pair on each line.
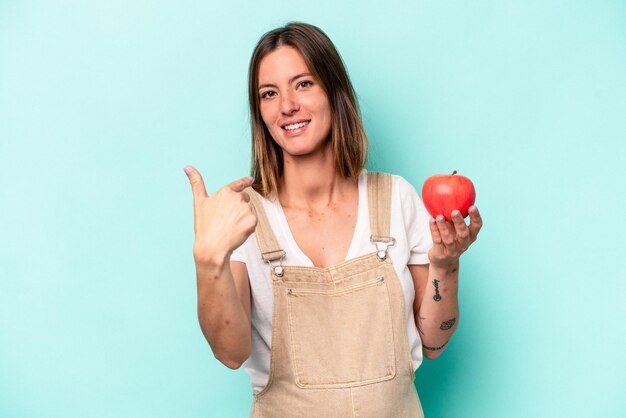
239, 185
434, 231
197, 184
446, 231
461, 229
476, 222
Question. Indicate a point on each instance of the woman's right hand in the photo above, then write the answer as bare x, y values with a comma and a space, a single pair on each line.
222, 221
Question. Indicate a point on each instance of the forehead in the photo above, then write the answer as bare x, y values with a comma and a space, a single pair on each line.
281, 64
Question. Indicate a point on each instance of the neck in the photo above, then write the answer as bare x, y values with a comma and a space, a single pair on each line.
312, 181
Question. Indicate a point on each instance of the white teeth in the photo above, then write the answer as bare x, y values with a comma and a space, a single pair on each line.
295, 126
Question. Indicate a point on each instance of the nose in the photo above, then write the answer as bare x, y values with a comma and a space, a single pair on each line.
289, 104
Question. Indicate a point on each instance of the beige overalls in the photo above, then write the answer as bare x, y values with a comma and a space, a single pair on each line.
339, 341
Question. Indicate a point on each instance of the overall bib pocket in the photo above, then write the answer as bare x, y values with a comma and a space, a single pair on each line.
333, 345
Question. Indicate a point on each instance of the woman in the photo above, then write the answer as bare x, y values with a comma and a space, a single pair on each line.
328, 283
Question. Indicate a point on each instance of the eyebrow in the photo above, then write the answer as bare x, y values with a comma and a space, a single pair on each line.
291, 80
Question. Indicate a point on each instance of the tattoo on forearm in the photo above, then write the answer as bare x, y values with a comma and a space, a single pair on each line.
437, 296
435, 348
445, 325
419, 324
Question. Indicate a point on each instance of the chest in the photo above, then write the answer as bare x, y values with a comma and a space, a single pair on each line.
324, 235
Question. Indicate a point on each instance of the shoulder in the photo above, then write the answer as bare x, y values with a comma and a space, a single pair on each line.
397, 179
266, 204
402, 189
402, 185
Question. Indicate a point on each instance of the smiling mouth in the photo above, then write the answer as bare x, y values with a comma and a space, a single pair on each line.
294, 126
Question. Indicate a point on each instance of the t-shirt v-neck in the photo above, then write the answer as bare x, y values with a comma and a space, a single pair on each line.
357, 236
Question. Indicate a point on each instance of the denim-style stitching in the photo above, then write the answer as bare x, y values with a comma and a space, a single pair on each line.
272, 353
389, 342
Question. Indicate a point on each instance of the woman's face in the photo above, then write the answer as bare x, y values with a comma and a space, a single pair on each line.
293, 104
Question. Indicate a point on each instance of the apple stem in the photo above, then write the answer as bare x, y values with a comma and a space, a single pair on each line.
453, 173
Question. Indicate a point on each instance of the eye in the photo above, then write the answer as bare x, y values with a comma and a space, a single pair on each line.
305, 83
268, 94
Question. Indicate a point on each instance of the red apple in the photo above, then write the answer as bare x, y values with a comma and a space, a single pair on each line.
442, 193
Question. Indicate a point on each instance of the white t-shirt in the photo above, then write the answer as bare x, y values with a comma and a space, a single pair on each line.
409, 226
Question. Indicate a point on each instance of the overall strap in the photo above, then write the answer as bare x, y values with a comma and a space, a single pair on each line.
379, 202
265, 238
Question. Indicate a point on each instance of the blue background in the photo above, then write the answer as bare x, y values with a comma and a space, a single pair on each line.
102, 104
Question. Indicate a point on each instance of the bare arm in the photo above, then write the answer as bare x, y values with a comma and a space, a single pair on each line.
436, 306
222, 222
224, 311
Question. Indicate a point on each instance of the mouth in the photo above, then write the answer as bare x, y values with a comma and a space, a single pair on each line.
296, 126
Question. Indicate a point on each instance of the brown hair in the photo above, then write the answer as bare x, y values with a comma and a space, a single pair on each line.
348, 137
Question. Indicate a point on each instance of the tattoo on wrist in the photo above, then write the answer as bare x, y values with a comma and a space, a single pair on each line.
437, 296
435, 348
445, 325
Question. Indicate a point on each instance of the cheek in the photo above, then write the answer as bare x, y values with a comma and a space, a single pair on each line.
321, 107
326, 112
266, 116
325, 109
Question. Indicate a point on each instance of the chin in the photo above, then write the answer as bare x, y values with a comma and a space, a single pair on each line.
308, 149
298, 152
291, 147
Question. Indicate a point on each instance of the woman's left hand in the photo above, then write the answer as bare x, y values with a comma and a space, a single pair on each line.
451, 239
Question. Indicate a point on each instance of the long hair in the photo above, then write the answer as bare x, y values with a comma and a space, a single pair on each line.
348, 138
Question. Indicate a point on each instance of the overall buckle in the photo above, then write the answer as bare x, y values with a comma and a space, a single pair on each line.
382, 244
